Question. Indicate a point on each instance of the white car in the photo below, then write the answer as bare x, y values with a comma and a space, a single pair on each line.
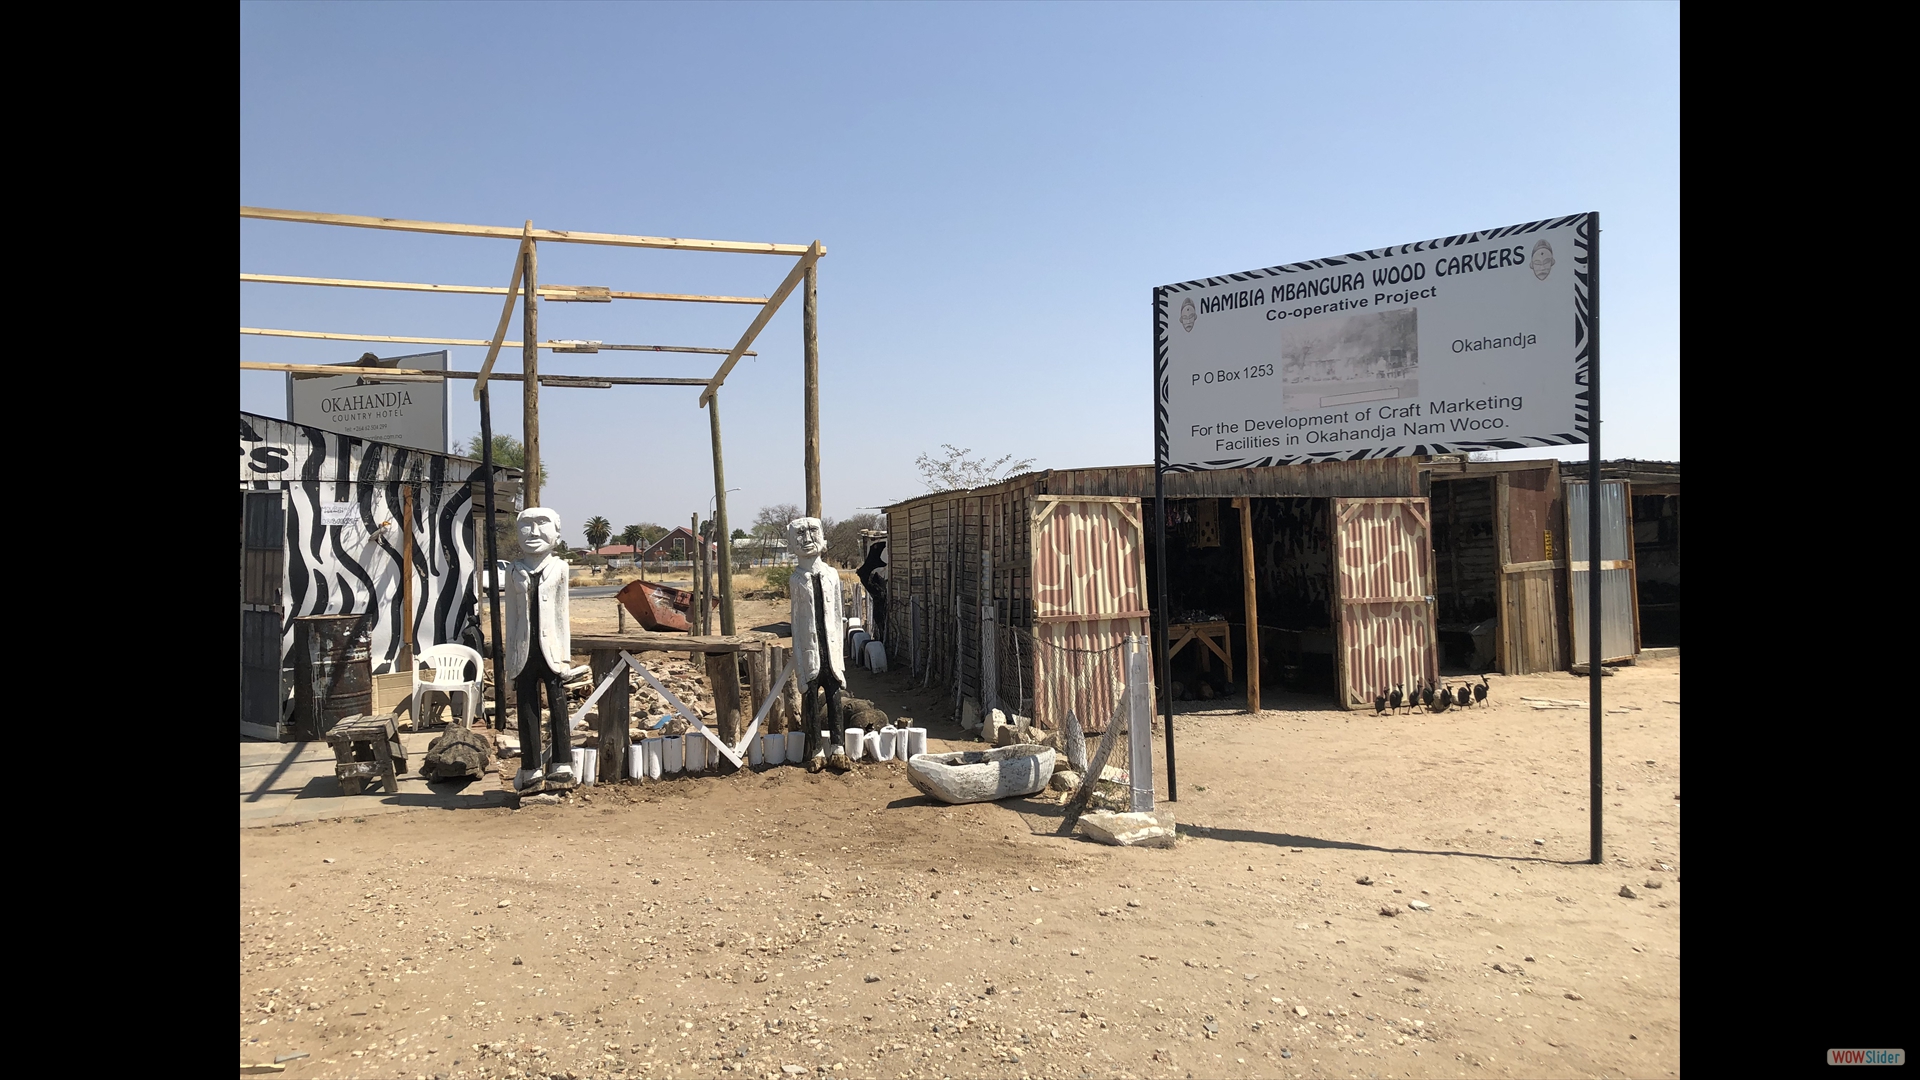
486, 579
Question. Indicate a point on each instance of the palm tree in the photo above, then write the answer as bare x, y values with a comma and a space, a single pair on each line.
630, 536
598, 530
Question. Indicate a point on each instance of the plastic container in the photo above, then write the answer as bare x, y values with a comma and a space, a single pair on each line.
889, 743
851, 741
673, 754
776, 748
757, 750
697, 746
796, 748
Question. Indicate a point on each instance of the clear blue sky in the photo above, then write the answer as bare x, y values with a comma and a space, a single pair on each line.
999, 186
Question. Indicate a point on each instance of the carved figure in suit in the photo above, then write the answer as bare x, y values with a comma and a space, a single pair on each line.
539, 646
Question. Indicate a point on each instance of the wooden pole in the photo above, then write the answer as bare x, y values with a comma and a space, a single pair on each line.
492, 573
1245, 506
724, 551
406, 578
697, 562
507, 232
614, 714
530, 369
810, 333
723, 671
757, 679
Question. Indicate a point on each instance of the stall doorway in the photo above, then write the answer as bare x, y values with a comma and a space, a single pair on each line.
1656, 557
1466, 565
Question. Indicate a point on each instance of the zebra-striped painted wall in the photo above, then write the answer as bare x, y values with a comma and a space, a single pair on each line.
354, 567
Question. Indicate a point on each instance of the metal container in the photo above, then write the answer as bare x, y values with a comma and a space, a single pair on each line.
333, 672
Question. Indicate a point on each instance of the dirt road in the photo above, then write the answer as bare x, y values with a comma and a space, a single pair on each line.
777, 924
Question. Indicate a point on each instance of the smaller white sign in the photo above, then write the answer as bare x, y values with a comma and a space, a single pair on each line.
339, 513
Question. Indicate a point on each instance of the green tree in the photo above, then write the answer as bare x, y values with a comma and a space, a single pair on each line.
630, 536
507, 452
598, 530
651, 533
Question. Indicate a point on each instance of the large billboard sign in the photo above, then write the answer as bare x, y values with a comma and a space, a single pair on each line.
407, 414
1471, 342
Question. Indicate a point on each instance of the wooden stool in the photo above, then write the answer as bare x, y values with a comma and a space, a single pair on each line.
1215, 636
367, 747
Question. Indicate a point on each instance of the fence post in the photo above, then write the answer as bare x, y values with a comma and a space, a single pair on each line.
1139, 727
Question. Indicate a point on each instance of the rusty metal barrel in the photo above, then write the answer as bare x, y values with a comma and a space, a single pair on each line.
333, 672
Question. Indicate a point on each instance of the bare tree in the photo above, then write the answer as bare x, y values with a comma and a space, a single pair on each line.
957, 469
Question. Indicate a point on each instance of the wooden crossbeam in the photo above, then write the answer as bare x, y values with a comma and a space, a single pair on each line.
505, 232
552, 346
413, 375
588, 293
794, 277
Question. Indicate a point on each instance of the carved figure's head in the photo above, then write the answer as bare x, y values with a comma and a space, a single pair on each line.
539, 531
806, 537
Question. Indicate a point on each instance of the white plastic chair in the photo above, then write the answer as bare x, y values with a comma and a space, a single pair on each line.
449, 665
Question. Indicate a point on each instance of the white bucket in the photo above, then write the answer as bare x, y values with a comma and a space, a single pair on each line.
850, 740
876, 656
637, 760
673, 754
889, 743
860, 639
796, 748
916, 741
656, 758
872, 745
757, 750
697, 752
587, 771
776, 748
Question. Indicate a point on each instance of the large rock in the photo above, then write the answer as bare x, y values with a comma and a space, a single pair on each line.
863, 714
1129, 830
457, 754
1064, 779
982, 775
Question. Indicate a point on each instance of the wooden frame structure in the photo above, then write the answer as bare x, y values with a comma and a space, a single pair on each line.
525, 285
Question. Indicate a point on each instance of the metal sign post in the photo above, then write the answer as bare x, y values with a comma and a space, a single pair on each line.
1594, 650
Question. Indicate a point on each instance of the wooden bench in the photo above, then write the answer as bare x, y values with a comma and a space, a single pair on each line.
367, 748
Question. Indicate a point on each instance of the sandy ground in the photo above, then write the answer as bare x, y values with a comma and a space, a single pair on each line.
775, 924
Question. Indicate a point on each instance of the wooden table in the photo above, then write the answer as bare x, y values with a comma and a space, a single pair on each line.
1216, 636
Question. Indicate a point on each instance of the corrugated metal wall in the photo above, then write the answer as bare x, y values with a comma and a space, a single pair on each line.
1617, 637
1089, 593
1383, 558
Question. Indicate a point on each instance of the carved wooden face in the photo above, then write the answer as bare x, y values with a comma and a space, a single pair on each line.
806, 536
538, 535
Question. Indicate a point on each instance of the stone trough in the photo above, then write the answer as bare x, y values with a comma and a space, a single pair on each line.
969, 776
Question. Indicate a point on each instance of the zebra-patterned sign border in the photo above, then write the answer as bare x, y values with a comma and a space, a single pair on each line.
1585, 241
